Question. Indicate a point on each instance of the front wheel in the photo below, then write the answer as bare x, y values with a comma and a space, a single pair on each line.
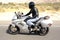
12, 29
44, 31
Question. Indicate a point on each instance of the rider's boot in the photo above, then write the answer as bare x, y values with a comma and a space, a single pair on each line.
32, 28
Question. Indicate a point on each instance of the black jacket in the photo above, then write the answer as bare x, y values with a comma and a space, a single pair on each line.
34, 12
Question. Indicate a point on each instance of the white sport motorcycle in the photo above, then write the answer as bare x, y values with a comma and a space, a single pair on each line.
20, 26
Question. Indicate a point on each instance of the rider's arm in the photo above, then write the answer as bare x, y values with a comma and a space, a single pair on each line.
28, 13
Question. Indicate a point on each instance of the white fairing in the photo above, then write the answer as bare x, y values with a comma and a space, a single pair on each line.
21, 24
24, 27
45, 23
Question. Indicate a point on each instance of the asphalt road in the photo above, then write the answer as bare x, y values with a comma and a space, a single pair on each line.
54, 34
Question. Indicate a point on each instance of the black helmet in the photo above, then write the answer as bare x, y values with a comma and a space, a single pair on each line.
31, 4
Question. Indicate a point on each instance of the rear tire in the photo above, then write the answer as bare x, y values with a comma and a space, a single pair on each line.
44, 31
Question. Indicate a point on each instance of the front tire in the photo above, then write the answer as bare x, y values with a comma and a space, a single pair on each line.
13, 30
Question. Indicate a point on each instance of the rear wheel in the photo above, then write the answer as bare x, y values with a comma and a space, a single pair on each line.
44, 31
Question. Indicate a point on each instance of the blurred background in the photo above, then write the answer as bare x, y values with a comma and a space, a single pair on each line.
45, 7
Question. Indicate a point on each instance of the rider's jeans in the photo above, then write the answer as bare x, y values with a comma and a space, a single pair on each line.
30, 21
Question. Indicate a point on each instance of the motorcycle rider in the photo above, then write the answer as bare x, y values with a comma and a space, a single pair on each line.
35, 15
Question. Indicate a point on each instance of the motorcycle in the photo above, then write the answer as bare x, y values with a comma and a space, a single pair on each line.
19, 25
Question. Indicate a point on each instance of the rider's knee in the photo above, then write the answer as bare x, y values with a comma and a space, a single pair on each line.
28, 21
